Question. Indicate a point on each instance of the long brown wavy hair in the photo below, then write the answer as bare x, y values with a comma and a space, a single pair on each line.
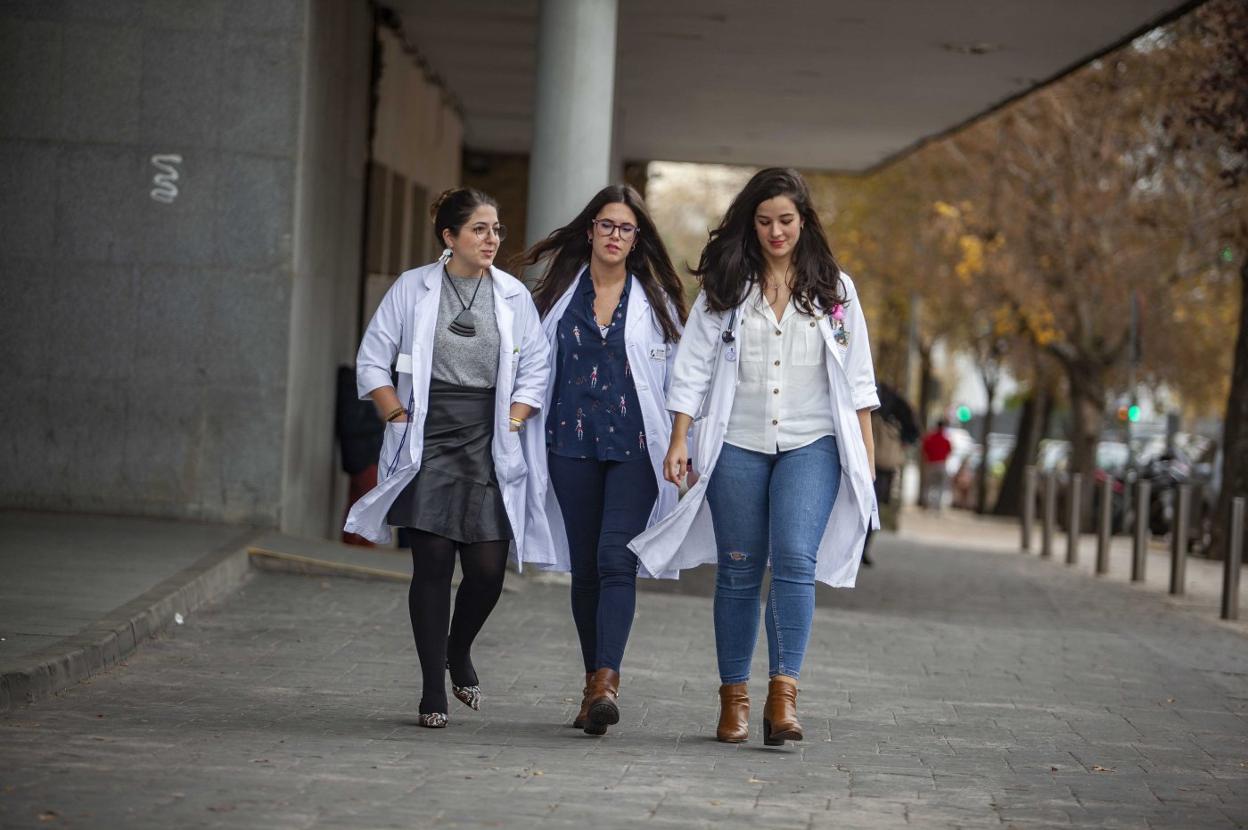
732, 260
568, 248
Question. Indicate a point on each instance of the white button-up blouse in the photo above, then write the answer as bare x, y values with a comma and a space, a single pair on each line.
783, 391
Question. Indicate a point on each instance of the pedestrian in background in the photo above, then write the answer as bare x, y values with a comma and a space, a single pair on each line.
467, 345
893, 428
935, 450
776, 363
612, 309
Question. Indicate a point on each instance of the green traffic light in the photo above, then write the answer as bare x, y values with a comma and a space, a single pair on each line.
1133, 413
964, 414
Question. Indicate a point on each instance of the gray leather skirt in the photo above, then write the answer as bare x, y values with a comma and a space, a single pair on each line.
455, 494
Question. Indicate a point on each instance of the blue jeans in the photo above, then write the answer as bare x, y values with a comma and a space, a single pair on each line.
765, 506
604, 505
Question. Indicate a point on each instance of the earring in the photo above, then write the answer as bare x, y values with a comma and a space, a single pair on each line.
446, 256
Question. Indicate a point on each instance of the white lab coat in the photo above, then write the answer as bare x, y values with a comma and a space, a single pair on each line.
650, 359
704, 384
401, 334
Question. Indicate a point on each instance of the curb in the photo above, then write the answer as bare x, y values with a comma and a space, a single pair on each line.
272, 560
116, 635
281, 562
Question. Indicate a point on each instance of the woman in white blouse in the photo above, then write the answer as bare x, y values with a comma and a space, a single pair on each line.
776, 369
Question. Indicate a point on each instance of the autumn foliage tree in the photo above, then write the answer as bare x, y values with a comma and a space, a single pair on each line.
1042, 224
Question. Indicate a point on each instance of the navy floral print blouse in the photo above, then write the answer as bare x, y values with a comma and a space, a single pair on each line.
595, 412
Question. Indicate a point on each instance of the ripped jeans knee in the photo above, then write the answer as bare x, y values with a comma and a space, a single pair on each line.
740, 572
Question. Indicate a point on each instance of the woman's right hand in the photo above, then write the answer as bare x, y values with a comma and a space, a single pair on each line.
674, 463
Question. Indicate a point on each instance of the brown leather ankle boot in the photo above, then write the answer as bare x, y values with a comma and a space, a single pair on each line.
734, 714
582, 717
604, 693
780, 712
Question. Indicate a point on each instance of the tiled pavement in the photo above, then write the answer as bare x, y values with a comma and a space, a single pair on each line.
950, 689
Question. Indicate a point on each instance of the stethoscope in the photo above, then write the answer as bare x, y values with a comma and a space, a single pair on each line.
407, 424
729, 335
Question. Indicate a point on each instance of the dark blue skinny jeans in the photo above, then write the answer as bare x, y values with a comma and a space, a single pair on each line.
605, 504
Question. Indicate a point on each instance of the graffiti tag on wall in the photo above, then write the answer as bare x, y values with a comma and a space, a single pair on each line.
165, 187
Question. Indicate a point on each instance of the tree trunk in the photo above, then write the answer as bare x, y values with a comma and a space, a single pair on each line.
1234, 429
925, 404
1087, 412
981, 483
1033, 422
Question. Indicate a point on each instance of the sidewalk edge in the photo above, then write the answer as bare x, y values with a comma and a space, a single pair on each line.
116, 635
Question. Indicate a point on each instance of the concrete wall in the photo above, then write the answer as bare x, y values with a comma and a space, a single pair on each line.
505, 176
417, 144
155, 337
329, 211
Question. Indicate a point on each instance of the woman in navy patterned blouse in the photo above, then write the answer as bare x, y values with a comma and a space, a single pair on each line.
595, 413
612, 308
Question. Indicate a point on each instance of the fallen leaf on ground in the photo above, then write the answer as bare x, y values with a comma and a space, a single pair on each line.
49, 815
1099, 768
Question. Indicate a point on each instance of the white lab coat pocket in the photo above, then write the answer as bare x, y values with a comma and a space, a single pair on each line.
393, 443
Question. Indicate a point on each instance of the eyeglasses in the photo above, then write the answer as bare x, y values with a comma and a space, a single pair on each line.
606, 227
483, 230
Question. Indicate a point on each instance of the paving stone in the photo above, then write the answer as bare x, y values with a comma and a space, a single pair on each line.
292, 704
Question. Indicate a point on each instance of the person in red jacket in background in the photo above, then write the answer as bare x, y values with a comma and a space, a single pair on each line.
936, 449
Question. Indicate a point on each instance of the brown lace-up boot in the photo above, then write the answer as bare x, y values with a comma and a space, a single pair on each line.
780, 712
604, 708
734, 714
582, 717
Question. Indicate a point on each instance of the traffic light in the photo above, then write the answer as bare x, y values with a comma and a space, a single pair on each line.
1133, 413
964, 413
1124, 412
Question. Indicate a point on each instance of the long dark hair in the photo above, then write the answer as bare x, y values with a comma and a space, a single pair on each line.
732, 260
568, 248
454, 207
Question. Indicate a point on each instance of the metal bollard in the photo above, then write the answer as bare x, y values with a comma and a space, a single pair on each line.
1050, 515
1139, 551
1234, 561
1029, 507
1106, 526
1178, 541
1073, 517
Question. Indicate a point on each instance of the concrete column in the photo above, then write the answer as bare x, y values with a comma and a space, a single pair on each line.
573, 110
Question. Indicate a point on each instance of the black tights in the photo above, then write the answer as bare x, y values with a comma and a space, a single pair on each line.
429, 603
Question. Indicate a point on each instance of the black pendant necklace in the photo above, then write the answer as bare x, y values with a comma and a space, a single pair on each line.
465, 323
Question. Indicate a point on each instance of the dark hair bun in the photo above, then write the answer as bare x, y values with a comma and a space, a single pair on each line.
437, 203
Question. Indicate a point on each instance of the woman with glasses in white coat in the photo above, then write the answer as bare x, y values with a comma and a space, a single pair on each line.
465, 341
776, 365
612, 309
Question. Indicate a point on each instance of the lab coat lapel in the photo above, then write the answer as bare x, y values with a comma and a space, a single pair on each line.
637, 323
424, 318
829, 339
